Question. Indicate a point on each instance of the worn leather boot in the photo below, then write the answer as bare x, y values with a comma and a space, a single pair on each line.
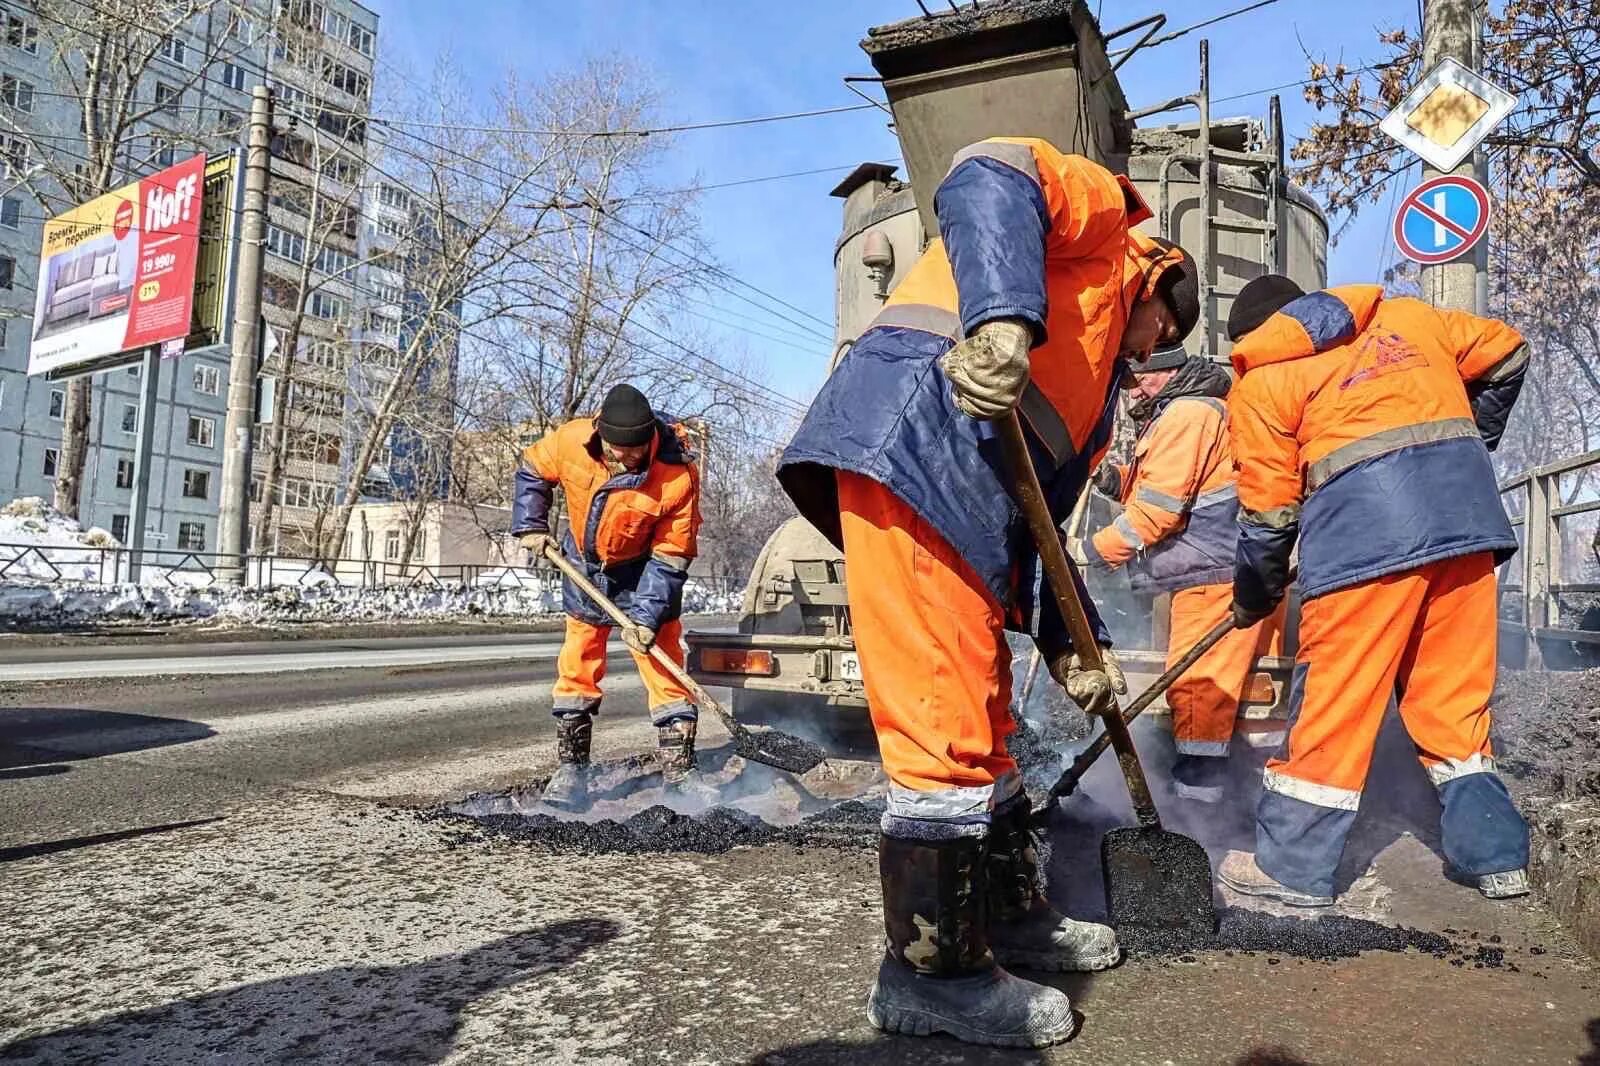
569, 785
938, 974
1027, 931
675, 749
1240, 872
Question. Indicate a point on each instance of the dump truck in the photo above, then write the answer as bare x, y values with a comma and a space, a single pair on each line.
1046, 69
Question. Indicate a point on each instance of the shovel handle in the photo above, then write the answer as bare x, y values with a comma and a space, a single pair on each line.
700, 696
1059, 573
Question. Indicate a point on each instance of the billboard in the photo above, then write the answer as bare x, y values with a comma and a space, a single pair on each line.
117, 274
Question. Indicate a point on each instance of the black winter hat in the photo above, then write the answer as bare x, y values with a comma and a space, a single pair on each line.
1170, 357
625, 418
1180, 287
1259, 300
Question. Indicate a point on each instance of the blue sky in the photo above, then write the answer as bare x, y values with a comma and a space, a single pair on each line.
717, 59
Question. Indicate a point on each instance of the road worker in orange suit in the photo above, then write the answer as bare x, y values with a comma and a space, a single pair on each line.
1362, 426
1176, 534
1036, 292
633, 504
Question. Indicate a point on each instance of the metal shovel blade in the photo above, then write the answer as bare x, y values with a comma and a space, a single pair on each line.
784, 751
1157, 881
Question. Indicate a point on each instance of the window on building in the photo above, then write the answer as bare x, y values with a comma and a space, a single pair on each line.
392, 227
50, 462
325, 354
345, 79
173, 49
2, 333
8, 270
130, 417
15, 150
202, 430
119, 527
361, 39
257, 483
419, 544
290, 246
338, 168
233, 77
196, 484
124, 473
318, 399
240, 28
333, 261
10, 212
386, 324
58, 403
168, 97
163, 151
326, 305
207, 380
192, 536
394, 196
391, 545
229, 121
20, 33
384, 292
15, 93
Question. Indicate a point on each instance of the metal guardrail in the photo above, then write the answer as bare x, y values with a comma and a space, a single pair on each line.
1536, 617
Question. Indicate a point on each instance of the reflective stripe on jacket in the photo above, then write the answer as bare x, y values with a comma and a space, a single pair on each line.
1179, 523
634, 534
1352, 420
1034, 235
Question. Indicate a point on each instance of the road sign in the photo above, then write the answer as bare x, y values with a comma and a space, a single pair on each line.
1445, 116
1441, 219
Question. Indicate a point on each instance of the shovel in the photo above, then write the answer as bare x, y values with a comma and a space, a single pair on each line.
1153, 878
770, 748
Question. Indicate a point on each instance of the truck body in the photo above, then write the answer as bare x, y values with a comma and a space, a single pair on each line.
1218, 187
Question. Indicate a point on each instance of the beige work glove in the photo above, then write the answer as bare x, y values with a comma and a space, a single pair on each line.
1094, 691
638, 638
989, 369
536, 543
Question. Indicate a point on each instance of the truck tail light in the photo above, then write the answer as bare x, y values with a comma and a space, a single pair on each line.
1260, 689
737, 661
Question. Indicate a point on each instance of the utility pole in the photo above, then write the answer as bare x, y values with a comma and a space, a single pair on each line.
234, 519
1453, 29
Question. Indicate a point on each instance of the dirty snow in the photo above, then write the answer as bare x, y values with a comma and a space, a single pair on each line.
56, 574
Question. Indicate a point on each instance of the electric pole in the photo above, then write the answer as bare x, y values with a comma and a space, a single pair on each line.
234, 518
1453, 29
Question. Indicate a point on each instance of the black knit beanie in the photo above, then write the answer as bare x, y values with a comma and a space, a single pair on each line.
1170, 357
625, 418
1259, 300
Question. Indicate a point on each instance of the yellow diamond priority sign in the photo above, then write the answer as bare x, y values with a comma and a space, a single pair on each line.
1447, 114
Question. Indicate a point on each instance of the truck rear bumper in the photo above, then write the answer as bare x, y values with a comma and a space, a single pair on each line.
761, 662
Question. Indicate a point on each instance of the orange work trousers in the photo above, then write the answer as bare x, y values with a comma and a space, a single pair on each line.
1430, 632
934, 661
1205, 700
582, 667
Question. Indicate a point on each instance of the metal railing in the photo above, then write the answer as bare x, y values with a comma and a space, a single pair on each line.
1542, 591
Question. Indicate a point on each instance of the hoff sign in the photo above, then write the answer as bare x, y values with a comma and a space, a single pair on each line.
116, 274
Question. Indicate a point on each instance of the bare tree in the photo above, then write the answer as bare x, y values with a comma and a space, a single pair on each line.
101, 54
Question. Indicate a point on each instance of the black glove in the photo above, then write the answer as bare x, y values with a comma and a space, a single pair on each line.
1108, 479
1246, 616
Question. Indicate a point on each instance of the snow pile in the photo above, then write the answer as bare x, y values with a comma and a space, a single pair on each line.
39, 542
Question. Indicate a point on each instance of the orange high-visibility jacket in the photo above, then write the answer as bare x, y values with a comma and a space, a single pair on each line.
634, 534
1361, 424
1027, 233
1180, 512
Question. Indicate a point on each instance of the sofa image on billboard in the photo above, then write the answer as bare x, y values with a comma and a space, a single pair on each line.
87, 283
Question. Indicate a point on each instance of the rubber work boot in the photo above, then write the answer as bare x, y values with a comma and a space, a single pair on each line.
569, 785
1026, 931
1202, 778
675, 750
1240, 873
938, 974
1508, 885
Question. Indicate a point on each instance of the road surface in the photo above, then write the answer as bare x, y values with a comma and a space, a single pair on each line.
227, 867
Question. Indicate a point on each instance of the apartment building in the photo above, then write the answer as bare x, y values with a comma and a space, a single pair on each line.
319, 58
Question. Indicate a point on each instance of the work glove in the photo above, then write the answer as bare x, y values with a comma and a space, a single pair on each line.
1108, 480
989, 369
638, 638
536, 543
1245, 616
1094, 691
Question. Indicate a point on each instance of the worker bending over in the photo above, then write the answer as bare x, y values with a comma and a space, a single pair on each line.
1176, 534
1362, 427
1036, 287
633, 505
